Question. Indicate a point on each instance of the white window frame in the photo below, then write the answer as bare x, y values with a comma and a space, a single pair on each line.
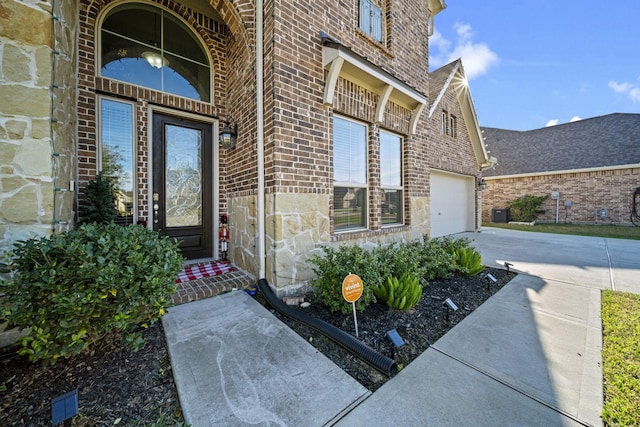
364, 186
134, 143
452, 125
371, 20
163, 10
443, 127
399, 188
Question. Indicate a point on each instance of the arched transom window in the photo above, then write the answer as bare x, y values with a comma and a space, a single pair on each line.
148, 46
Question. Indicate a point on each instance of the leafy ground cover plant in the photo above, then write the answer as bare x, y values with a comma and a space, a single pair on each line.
93, 285
468, 260
400, 294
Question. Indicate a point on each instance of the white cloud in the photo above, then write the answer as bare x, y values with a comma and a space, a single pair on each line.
552, 122
575, 119
477, 58
630, 89
464, 32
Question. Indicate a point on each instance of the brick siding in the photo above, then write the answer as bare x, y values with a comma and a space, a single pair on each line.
589, 192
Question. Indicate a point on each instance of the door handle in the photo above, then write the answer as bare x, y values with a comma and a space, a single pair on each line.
156, 207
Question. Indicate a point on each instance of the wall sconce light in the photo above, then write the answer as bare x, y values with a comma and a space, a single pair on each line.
482, 184
229, 135
155, 60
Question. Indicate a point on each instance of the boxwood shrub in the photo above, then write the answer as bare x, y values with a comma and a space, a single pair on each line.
92, 286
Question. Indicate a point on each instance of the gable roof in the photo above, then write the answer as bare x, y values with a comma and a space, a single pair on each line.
452, 76
600, 142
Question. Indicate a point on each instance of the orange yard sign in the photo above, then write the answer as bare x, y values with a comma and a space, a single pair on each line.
352, 288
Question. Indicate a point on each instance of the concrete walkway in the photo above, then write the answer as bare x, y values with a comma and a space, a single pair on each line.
529, 356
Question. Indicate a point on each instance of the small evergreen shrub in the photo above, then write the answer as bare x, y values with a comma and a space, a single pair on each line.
527, 208
91, 286
468, 261
437, 257
99, 204
400, 294
334, 266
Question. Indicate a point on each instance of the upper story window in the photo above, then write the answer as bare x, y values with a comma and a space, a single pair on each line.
452, 125
350, 188
148, 46
371, 19
448, 124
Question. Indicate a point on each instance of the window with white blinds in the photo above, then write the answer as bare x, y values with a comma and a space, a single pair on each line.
350, 174
117, 153
391, 178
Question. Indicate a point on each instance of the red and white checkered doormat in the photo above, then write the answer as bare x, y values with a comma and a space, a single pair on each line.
199, 271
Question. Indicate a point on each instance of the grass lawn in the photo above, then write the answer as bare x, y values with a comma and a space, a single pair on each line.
610, 231
621, 358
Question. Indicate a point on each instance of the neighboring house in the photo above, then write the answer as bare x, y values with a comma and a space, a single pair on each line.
341, 136
594, 165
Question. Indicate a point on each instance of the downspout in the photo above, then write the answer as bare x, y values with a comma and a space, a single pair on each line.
260, 137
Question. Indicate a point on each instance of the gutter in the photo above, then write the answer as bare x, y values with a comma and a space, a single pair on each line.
562, 172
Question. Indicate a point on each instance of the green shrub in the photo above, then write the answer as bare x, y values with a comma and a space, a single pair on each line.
400, 294
334, 266
90, 286
99, 204
426, 260
438, 257
468, 261
527, 208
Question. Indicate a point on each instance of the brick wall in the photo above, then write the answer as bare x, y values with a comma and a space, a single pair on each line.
589, 192
215, 36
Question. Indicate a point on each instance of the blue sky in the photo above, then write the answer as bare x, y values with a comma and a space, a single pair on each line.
535, 63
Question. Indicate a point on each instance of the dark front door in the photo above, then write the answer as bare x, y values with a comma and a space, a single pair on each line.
182, 183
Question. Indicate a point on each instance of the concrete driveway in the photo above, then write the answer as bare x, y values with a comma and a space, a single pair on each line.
531, 355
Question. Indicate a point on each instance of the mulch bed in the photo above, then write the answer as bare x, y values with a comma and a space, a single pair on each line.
418, 327
120, 387
134, 388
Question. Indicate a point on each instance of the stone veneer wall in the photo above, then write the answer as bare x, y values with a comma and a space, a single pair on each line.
37, 120
606, 189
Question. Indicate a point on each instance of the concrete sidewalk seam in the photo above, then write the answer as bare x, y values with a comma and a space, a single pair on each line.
510, 386
611, 278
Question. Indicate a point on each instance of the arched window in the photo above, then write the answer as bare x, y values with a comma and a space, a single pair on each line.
147, 46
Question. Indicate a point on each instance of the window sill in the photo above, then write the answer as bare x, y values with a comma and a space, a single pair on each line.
343, 236
380, 46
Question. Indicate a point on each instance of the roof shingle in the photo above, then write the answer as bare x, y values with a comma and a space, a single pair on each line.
604, 141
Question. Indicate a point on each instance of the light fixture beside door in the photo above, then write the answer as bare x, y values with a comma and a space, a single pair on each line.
229, 135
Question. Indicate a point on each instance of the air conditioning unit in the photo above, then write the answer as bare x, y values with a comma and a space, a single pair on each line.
500, 215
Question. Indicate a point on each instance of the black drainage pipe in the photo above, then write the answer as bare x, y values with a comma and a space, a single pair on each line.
361, 350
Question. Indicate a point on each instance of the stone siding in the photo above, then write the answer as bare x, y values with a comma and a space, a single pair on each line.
37, 126
589, 193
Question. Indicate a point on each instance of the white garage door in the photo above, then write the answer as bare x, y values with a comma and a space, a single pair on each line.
452, 204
